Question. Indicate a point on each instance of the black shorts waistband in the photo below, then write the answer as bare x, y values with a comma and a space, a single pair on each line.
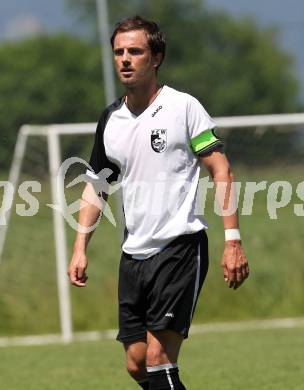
181, 238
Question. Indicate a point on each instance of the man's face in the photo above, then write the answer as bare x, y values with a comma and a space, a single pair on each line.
135, 65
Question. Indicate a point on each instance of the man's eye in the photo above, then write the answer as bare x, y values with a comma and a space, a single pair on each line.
135, 51
118, 52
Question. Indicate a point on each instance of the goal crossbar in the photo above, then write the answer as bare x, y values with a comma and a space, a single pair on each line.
244, 121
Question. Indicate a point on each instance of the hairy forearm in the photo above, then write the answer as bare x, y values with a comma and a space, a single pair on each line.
88, 216
91, 208
226, 197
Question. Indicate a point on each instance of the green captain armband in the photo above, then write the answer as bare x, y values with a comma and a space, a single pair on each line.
205, 142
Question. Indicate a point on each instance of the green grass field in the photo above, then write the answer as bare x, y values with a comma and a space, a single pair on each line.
251, 360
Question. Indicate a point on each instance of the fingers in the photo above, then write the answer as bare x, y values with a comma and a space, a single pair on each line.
238, 278
80, 272
79, 282
239, 275
226, 274
246, 272
231, 277
235, 268
77, 275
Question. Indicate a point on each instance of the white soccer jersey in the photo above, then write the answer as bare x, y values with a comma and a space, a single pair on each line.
155, 155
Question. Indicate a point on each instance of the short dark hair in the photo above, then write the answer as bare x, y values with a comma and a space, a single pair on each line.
156, 38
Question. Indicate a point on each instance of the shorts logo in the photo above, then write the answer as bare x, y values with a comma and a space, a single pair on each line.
169, 315
159, 140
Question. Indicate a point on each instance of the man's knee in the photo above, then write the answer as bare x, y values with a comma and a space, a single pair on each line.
136, 360
163, 347
156, 355
137, 369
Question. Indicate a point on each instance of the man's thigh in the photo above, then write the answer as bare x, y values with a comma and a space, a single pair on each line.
174, 279
132, 306
161, 293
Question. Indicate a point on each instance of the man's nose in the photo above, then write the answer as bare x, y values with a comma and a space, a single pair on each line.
126, 58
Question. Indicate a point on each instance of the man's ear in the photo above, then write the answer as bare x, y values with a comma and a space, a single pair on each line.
157, 59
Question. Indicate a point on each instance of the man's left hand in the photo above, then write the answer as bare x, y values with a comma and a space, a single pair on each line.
234, 264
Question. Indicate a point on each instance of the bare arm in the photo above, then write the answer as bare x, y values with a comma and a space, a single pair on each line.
234, 262
90, 211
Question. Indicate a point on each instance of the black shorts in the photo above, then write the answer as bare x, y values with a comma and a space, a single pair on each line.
161, 292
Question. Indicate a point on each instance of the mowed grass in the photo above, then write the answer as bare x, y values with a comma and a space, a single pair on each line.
251, 360
274, 247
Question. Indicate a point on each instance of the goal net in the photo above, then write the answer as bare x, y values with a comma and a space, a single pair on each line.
266, 153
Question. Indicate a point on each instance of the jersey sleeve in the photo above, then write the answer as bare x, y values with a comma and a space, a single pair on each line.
99, 160
201, 129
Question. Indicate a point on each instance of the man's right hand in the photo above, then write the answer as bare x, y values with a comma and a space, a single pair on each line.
77, 269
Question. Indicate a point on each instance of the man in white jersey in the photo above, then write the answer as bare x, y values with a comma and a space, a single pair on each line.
153, 140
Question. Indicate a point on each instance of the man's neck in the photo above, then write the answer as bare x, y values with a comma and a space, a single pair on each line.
139, 98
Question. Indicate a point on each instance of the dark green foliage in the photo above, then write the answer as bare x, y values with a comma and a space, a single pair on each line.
230, 65
47, 80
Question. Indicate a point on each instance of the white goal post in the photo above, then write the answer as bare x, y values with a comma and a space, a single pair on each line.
52, 134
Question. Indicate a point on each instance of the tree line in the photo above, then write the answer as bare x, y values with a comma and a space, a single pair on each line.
232, 66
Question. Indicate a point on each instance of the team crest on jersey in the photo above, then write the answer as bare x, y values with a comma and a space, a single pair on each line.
159, 140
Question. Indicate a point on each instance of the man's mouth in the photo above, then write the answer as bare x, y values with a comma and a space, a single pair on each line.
126, 71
